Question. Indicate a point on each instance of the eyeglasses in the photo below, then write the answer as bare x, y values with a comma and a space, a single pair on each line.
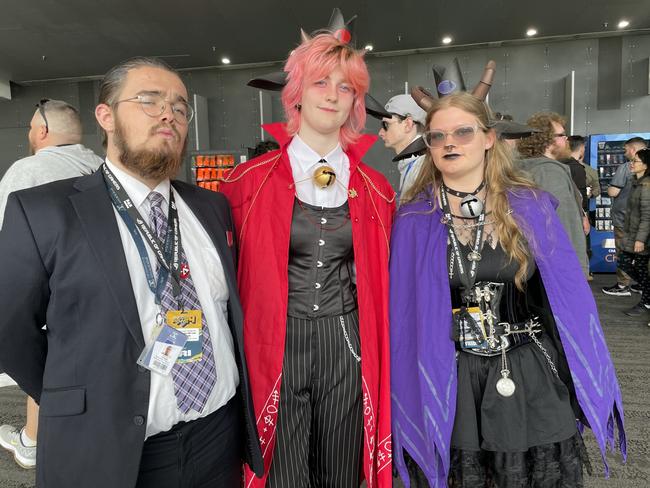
41, 110
154, 105
385, 124
461, 135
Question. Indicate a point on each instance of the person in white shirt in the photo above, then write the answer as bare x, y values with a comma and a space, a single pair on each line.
122, 264
400, 131
313, 224
56, 153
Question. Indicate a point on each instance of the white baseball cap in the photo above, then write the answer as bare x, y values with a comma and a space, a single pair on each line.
405, 106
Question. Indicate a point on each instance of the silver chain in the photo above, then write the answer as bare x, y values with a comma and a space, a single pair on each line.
446, 221
505, 372
548, 358
347, 339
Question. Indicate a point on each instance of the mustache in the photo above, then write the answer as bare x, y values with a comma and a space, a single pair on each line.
163, 162
156, 128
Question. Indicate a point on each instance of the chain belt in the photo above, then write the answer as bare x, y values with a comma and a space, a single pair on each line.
505, 336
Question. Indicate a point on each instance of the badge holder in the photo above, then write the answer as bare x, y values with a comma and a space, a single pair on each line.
470, 327
161, 355
190, 323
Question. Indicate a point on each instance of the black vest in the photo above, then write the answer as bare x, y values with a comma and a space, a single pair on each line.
321, 259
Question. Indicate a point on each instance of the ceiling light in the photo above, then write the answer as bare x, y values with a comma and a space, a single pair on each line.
623, 24
531, 32
369, 47
446, 40
225, 60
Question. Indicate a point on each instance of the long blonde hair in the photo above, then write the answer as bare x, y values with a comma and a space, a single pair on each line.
501, 176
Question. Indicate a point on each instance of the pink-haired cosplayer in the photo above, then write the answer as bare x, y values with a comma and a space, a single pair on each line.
313, 224
314, 61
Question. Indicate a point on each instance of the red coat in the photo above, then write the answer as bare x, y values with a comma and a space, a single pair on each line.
261, 194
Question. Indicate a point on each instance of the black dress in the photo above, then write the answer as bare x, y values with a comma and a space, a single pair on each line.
529, 439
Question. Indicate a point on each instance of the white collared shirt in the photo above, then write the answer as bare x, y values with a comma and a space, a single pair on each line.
304, 160
211, 287
409, 170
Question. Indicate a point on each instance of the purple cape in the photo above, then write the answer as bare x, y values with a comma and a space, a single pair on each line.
423, 364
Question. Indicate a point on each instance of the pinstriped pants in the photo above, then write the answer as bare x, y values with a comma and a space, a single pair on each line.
320, 423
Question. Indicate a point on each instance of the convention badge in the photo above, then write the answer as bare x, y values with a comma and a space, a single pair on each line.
471, 326
160, 356
190, 323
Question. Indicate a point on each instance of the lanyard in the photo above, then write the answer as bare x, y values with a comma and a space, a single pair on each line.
167, 254
466, 279
408, 170
406, 173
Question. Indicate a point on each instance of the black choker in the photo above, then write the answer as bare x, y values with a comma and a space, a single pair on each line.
461, 194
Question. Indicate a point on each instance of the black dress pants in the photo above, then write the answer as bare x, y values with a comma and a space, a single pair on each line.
203, 453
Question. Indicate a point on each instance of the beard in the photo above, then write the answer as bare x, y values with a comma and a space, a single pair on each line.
561, 152
152, 164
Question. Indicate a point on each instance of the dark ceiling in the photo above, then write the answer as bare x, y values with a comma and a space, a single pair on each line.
50, 39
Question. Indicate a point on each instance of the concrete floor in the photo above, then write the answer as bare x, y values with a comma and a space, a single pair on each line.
629, 344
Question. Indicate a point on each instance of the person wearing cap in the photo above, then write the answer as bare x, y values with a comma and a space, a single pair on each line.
313, 226
401, 130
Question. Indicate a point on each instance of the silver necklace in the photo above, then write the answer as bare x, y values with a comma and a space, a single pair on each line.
471, 225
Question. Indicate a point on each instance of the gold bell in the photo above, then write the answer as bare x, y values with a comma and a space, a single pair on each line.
324, 177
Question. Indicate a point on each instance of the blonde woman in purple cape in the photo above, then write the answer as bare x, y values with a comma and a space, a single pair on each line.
498, 359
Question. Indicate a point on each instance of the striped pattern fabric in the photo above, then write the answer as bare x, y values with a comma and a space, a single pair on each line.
193, 382
320, 424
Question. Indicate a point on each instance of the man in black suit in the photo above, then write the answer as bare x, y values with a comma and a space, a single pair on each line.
113, 263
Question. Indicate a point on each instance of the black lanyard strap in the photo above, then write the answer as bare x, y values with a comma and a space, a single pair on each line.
467, 279
167, 254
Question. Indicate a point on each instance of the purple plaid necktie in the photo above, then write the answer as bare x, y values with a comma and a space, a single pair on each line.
193, 382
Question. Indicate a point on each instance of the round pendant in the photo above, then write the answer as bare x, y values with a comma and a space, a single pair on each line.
474, 256
471, 207
505, 386
324, 177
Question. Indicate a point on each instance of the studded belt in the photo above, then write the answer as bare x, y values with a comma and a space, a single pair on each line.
505, 336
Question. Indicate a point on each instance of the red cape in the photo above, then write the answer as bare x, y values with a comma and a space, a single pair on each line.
261, 193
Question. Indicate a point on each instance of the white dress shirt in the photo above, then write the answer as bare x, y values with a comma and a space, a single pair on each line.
211, 287
304, 160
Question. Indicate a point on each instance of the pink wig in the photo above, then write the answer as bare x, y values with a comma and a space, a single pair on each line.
314, 60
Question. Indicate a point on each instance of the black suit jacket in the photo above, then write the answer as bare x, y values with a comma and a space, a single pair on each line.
62, 264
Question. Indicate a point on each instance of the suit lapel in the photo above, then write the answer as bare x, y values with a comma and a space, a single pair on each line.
95, 212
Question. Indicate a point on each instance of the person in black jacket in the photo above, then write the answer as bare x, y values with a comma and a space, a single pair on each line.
114, 273
634, 258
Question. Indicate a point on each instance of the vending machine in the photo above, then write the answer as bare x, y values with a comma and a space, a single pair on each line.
209, 167
605, 153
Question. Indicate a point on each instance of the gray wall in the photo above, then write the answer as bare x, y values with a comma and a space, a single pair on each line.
530, 77
16, 114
